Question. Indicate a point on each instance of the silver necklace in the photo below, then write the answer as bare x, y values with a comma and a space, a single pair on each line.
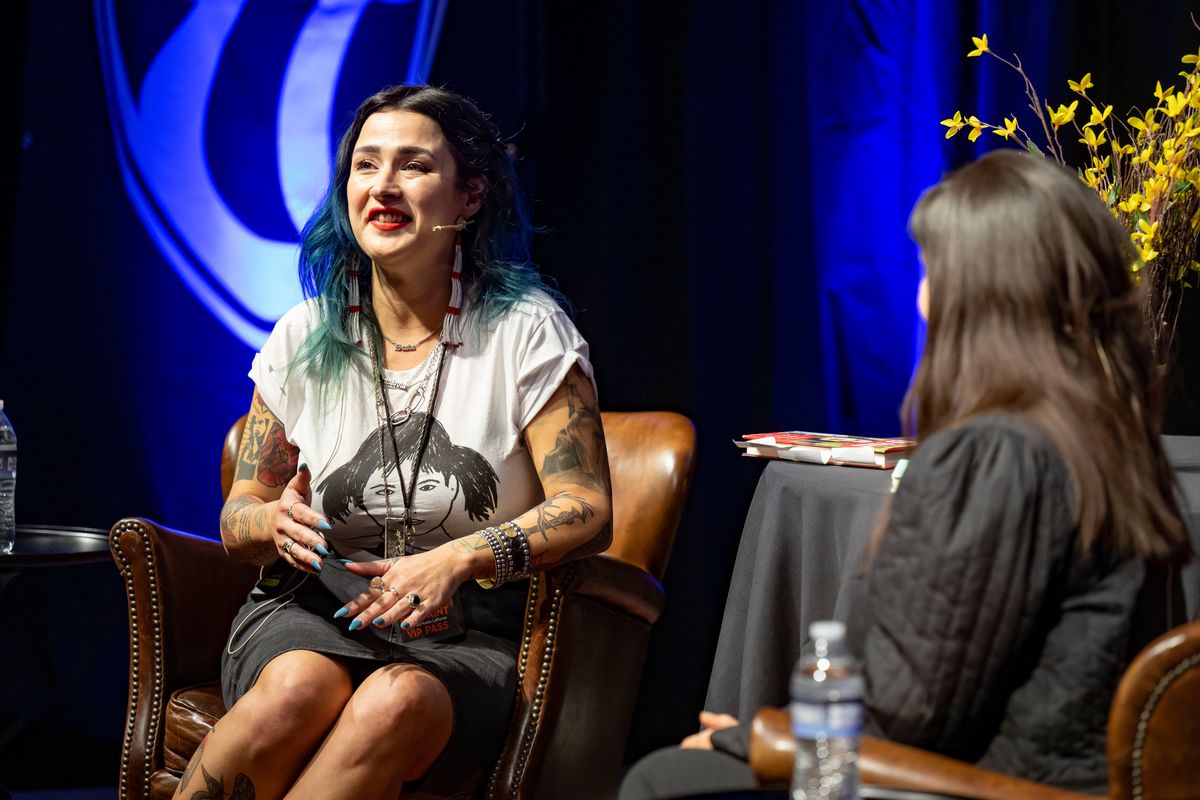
399, 347
417, 385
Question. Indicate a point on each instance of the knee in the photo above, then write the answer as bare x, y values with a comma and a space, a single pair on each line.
297, 691
395, 698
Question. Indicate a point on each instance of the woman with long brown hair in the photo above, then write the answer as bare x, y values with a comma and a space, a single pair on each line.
1033, 545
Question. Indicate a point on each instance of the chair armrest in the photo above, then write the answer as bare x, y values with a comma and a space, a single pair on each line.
586, 628
182, 593
895, 766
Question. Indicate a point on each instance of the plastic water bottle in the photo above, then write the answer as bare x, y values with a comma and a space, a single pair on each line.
8, 482
827, 716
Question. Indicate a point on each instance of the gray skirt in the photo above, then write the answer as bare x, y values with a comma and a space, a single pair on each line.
478, 668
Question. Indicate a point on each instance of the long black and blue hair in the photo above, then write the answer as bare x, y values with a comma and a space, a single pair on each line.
497, 270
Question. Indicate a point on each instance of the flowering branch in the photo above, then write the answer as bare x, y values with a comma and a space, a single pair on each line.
1148, 176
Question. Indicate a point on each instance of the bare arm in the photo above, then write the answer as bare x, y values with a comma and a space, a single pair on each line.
566, 441
267, 483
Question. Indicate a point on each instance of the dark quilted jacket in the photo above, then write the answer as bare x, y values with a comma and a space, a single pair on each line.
985, 634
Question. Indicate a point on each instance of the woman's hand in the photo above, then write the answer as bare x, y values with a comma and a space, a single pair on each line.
711, 723
296, 528
429, 578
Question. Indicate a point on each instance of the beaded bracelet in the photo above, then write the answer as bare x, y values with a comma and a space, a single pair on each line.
513, 532
506, 549
497, 555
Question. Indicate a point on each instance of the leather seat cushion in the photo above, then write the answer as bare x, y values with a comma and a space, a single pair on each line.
191, 714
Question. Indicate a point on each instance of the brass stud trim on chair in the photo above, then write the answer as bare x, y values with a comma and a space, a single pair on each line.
135, 528
548, 650
1139, 738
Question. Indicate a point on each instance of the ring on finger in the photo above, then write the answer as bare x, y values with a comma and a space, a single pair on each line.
377, 584
395, 592
414, 599
288, 545
289, 510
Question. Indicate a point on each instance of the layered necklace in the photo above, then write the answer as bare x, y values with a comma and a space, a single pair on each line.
398, 530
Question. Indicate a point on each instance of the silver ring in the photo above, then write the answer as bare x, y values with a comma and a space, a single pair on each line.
288, 545
414, 599
395, 592
289, 510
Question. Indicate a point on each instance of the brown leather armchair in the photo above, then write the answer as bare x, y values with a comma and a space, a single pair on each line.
580, 659
1153, 740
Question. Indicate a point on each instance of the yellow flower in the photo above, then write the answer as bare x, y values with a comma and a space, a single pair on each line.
1084, 84
1143, 124
1101, 163
955, 124
1193, 177
1099, 117
1063, 114
1191, 58
1175, 104
1145, 232
976, 128
1091, 178
1155, 187
1160, 92
981, 46
1010, 128
1091, 139
1122, 149
1135, 203
1144, 156
1148, 254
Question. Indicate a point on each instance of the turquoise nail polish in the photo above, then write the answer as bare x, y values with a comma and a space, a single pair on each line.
341, 612
378, 622
321, 549
323, 525
302, 468
404, 625
316, 565
356, 624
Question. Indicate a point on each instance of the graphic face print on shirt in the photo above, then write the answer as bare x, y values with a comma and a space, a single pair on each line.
452, 480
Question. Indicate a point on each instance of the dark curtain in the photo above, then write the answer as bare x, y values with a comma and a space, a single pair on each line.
726, 191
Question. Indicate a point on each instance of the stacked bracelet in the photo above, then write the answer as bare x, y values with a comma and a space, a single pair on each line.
510, 550
498, 555
520, 552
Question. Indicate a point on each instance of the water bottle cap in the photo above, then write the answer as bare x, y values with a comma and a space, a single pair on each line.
827, 629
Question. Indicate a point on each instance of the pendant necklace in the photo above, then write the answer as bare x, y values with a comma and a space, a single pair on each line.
398, 531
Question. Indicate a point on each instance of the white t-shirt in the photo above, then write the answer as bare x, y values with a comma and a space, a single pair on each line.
476, 470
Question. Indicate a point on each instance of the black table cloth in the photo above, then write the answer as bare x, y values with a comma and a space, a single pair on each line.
803, 544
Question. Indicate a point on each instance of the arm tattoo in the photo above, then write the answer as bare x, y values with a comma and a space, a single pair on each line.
279, 459
265, 453
238, 520
551, 516
579, 454
470, 544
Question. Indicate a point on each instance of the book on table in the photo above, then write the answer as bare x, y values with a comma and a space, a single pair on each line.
827, 448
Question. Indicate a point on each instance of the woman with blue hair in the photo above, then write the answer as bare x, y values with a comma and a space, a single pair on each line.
423, 434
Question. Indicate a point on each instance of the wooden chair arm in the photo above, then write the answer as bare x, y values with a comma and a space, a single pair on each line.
173, 640
895, 766
586, 622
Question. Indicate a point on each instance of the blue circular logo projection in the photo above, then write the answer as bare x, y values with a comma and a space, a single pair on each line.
224, 114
